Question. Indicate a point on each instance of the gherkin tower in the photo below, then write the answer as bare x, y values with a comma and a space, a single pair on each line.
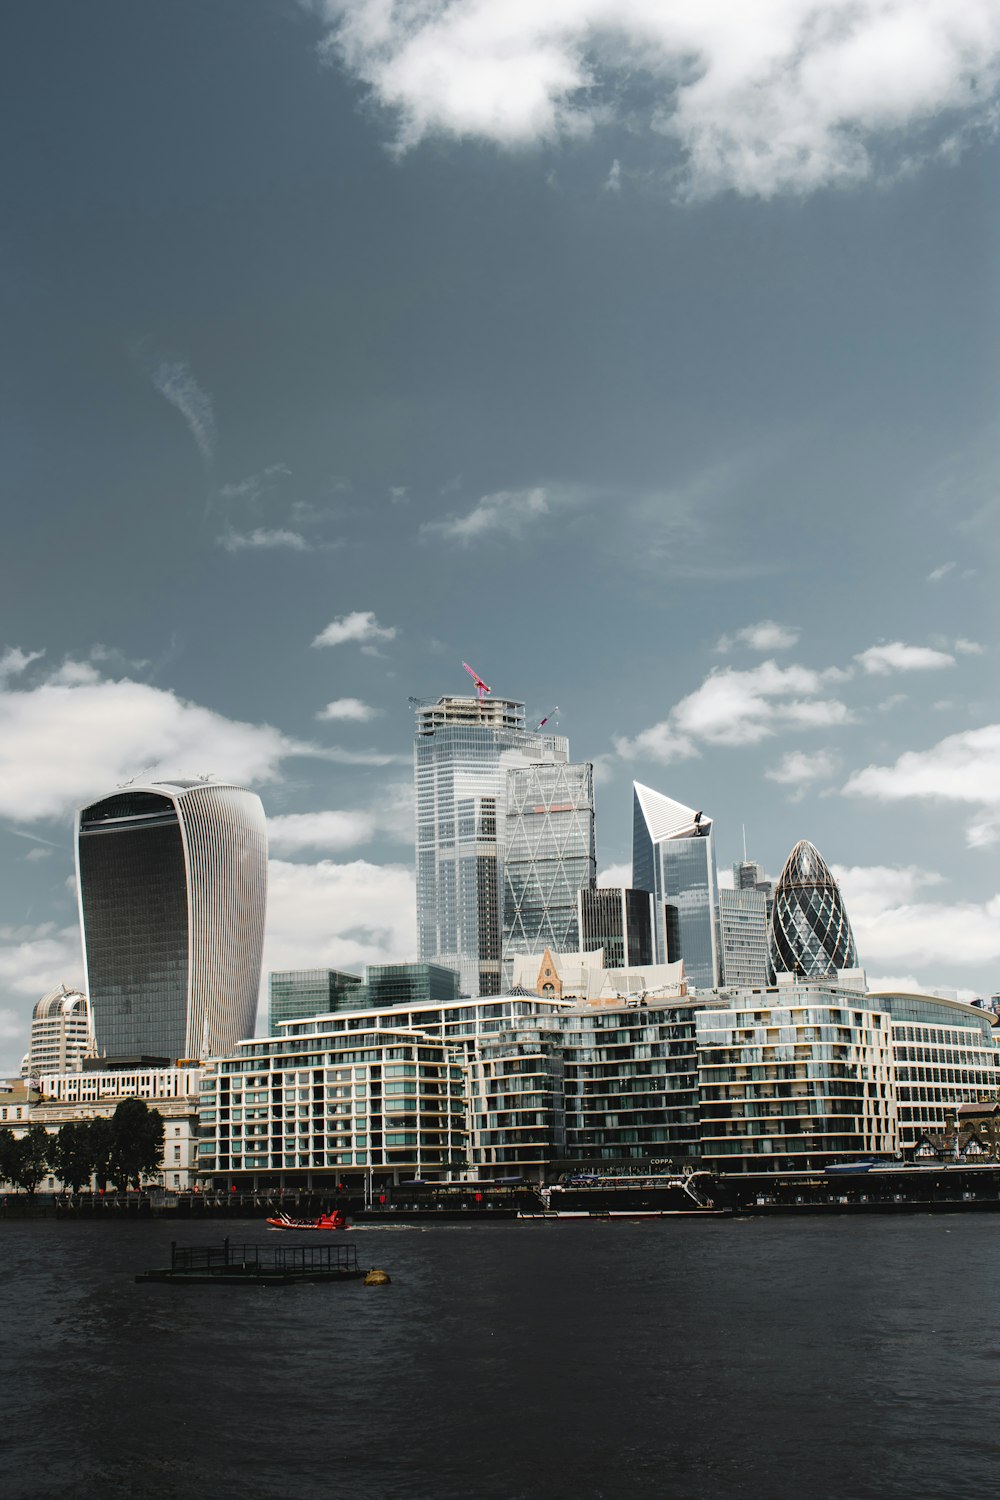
810, 932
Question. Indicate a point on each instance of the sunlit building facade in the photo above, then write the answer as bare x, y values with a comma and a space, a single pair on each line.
62, 1033
463, 749
810, 934
743, 936
295, 994
172, 882
945, 1055
673, 856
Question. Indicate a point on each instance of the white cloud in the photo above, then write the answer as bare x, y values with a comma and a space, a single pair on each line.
740, 708
175, 382
615, 875
338, 915
766, 635
968, 648
360, 627
69, 739
289, 833
341, 757
893, 701
895, 656
964, 768
260, 539
13, 661
777, 96
798, 769
895, 924
351, 709
613, 181
33, 960
505, 513
936, 574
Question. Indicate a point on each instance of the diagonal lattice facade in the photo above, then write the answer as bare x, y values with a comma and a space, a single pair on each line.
810, 932
548, 856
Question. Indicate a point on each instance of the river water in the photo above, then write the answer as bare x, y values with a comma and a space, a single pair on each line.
680, 1360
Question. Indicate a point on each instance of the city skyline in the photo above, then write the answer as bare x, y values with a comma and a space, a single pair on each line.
303, 412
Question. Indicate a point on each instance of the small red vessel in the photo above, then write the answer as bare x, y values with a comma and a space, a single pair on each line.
334, 1220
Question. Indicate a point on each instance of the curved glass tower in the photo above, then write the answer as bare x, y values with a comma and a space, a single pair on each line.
172, 881
810, 934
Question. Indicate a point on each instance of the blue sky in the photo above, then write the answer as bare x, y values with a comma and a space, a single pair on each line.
640, 355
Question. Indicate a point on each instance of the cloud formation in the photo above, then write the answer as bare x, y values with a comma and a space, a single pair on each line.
799, 769
13, 661
766, 635
896, 656
505, 513
777, 96
176, 384
963, 769
895, 925
338, 916
360, 627
740, 708
292, 832
76, 735
352, 710
261, 539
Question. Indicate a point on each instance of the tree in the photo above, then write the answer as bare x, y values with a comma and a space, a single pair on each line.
136, 1143
8, 1153
73, 1153
100, 1141
31, 1157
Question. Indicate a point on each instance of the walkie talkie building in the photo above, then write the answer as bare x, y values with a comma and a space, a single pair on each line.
172, 881
810, 932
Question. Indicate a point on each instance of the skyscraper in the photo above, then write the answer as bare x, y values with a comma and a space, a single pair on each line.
463, 748
549, 855
810, 933
743, 936
172, 881
673, 856
619, 920
62, 1033
299, 994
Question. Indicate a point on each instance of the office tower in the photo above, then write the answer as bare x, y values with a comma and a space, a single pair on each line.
673, 856
748, 875
62, 1034
463, 748
297, 994
548, 856
620, 921
172, 882
410, 984
743, 933
810, 934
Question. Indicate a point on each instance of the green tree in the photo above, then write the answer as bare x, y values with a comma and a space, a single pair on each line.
73, 1154
100, 1142
31, 1157
136, 1143
8, 1153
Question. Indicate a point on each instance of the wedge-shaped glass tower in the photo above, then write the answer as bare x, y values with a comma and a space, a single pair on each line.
673, 856
810, 932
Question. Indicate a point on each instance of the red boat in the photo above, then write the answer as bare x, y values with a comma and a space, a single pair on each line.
334, 1220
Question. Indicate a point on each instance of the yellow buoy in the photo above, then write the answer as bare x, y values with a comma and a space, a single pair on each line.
378, 1278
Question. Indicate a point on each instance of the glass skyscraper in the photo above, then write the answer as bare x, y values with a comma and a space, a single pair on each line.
172, 881
673, 856
549, 856
810, 932
463, 748
743, 933
297, 994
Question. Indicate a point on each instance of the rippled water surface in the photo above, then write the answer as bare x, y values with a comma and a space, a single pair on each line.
679, 1360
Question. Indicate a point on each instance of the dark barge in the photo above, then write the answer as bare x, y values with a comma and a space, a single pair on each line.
867, 1190
256, 1265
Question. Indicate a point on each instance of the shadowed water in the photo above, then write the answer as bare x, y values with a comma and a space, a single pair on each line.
844, 1358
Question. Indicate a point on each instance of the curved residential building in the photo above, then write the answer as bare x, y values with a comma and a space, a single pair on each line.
62, 1033
810, 933
172, 880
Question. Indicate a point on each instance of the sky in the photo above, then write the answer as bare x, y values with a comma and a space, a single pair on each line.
644, 355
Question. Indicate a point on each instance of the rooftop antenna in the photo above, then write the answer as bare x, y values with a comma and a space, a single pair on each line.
482, 688
744, 843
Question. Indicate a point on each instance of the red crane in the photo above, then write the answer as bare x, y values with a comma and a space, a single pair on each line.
482, 688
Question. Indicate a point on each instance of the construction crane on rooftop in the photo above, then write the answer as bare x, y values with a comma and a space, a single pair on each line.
482, 688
